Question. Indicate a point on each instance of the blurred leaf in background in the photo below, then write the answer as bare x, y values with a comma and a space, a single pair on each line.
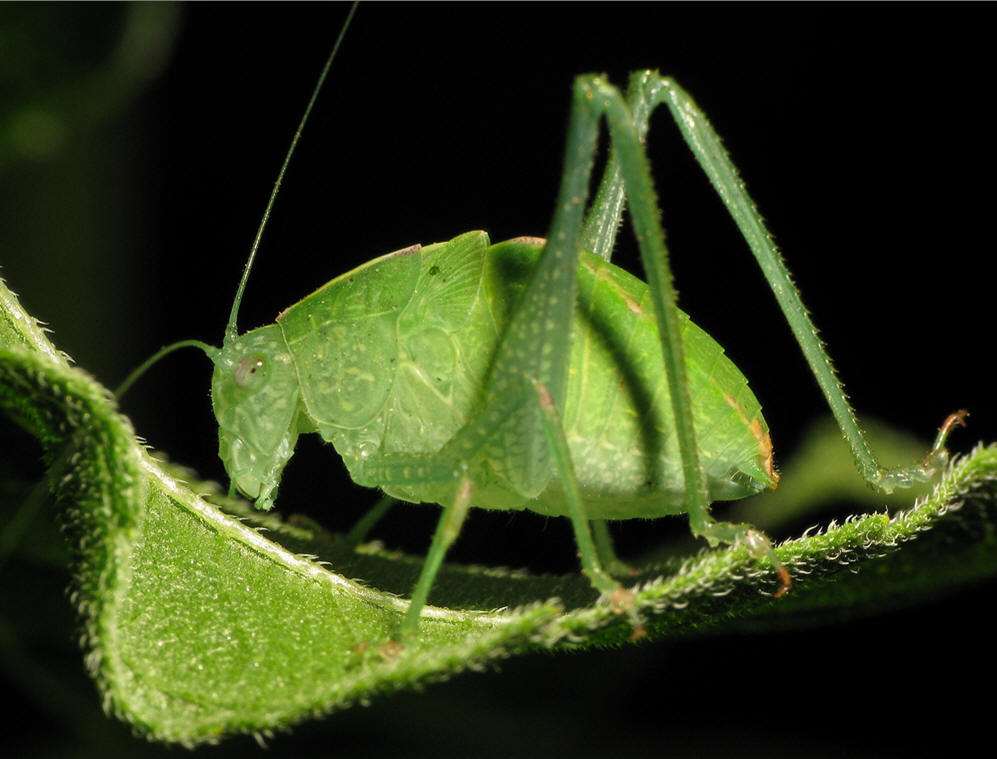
72, 70
71, 78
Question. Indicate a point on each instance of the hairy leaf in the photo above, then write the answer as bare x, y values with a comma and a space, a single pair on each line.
203, 620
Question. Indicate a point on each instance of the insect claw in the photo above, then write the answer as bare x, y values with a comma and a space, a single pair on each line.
953, 420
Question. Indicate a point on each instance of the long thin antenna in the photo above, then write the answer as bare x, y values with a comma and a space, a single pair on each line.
209, 350
231, 330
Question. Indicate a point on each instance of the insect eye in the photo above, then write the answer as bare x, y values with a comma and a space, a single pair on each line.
248, 368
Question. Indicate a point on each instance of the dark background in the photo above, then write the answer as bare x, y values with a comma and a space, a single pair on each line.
864, 135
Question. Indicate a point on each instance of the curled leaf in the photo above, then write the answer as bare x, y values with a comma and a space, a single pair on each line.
203, 620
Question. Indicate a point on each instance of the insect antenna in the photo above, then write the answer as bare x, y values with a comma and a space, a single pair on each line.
209, 350
231, 331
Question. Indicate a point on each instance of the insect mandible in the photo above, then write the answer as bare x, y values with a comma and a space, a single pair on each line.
532, 373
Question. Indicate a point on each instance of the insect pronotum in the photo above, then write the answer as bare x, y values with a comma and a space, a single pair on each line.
531, 373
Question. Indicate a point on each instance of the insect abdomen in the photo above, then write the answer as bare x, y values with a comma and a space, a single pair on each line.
617, 411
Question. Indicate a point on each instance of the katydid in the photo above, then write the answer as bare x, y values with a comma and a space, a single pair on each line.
533, 373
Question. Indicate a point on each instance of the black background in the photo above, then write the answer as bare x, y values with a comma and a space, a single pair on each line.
864, 135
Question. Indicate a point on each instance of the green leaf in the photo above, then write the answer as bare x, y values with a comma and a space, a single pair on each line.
203, 620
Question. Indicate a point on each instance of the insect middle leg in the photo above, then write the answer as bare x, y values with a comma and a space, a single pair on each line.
420, 470
512, 432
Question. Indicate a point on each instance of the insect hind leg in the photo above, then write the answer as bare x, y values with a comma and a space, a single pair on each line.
599, 98
712, 157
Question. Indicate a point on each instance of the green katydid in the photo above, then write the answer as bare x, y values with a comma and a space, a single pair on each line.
531, 373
